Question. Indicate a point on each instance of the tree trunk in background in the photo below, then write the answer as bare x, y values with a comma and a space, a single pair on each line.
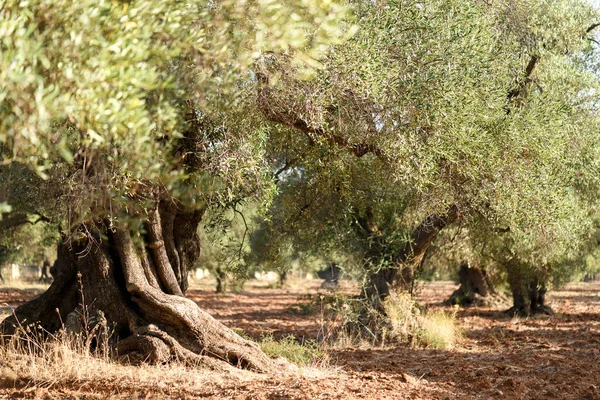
330, 275
528, 292
46, 277
133, 284
221, 277
589, 277
282, 278
404, 264
474, 287
537, 298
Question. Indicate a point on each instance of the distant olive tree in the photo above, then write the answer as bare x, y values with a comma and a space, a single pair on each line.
437, 112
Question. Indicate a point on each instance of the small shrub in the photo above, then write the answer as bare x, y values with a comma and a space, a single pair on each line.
351, 321
305, 354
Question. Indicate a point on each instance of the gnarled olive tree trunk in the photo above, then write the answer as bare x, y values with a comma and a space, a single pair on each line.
135, 282
475, 288
528, 291
400, 274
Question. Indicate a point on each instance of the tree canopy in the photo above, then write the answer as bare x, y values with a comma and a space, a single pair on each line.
97, 96
489, 107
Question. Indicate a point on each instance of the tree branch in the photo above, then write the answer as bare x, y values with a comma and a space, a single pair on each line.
592, 27
358, 149
520, 89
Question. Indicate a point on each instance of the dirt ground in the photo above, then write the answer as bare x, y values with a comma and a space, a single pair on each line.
498, 358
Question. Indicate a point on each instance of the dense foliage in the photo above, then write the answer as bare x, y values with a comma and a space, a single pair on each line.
490, 107
98, 96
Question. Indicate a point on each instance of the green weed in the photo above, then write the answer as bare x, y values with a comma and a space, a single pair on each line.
303, 354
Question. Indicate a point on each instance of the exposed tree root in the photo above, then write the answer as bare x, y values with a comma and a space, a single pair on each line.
528, 311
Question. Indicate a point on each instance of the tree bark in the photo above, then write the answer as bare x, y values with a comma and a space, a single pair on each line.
474, 289
528, 292
400, 274
135, 283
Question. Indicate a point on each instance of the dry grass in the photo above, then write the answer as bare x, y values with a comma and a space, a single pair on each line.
435, 329
438, 329
63, 362
402, 312
349, 322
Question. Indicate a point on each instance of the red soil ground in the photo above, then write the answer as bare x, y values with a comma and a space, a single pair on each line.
498, 358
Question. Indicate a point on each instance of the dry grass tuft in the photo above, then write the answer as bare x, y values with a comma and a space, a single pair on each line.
436, 329
402, 312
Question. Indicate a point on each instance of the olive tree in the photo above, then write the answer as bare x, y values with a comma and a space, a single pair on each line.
436, 111
129, 112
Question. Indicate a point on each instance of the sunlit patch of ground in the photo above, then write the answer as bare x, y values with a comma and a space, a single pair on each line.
14, 293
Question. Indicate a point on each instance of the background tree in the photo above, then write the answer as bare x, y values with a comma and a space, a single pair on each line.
26, 235
438, 110
226, 244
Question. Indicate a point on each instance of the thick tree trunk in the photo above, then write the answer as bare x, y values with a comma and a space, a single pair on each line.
475, 287
400, 274
134, 283
528, 292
